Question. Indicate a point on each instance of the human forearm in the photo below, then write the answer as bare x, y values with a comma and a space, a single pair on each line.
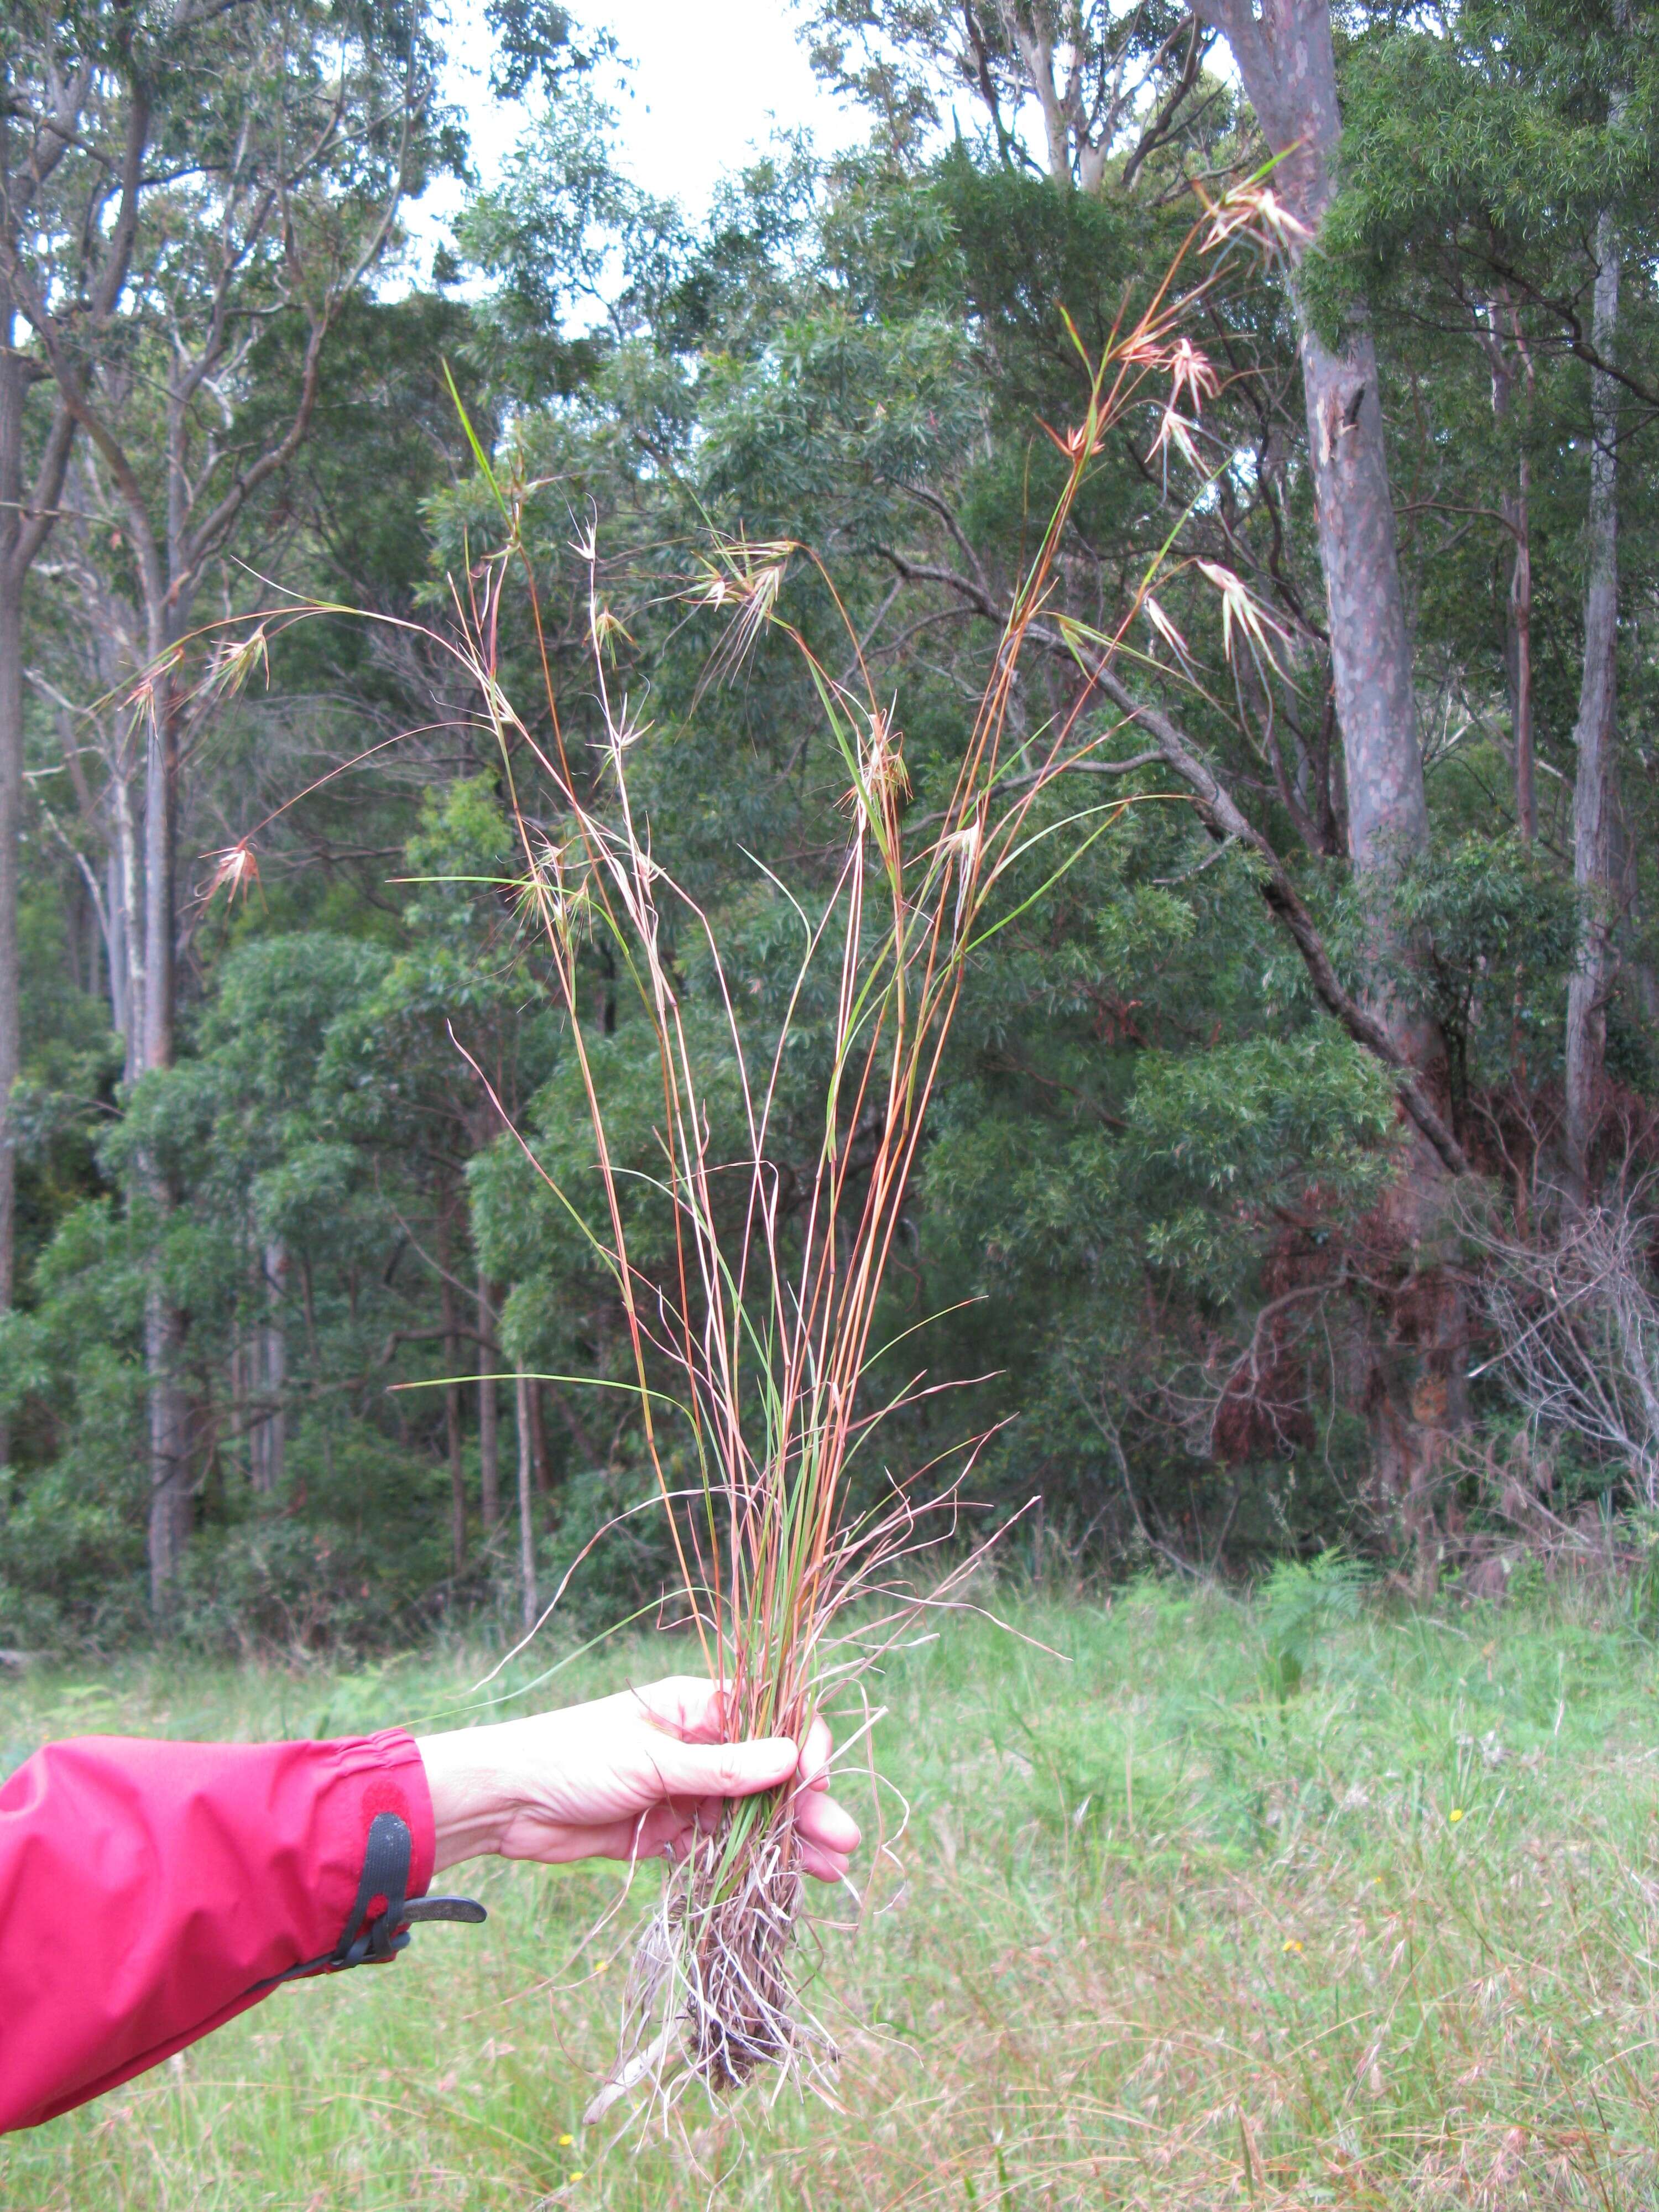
150, 1891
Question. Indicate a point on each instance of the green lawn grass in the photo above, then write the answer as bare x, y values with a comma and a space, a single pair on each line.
1153, 1938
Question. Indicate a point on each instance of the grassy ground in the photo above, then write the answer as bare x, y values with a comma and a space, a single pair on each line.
1161, 1940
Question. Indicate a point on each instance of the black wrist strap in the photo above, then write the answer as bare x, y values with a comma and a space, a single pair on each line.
386, 1874
368, 1942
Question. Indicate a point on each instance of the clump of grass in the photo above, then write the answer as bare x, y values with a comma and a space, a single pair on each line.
764, 1325
758, 1344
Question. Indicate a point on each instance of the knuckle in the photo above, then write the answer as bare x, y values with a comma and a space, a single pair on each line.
730, 1778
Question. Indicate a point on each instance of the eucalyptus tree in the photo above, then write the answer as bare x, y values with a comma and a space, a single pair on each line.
225, 172
1285, 58
1498, 193
35, 135
1595, 795
1108, 87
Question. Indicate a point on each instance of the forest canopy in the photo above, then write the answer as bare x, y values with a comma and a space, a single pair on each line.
1289, 1178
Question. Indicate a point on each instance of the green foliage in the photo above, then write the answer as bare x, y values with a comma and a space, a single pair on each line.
321, 1116
1497, 928
1494, 128
1148, 1133
1302, 1600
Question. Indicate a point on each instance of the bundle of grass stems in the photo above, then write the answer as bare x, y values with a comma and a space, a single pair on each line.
765, 1326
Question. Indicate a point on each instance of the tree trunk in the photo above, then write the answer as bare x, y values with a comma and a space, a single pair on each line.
169, 1446
1286, 62
538, 1441
1288, 66
1371, 649
1595, 785
164, 1326
453, 1432
11, 811
15, 556
267, 1439
523, 1401
160, 842
1518, 654
489, 1465
1415, 1395
132, 907
1498, 328
116, 961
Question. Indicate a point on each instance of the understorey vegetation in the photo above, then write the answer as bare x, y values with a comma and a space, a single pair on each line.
1291, 1179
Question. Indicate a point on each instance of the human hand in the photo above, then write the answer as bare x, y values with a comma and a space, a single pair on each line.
627, 1777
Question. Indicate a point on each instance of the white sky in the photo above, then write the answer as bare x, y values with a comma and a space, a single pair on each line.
708, 78
703, 82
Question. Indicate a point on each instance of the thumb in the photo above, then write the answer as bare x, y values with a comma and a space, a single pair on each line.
723, 1769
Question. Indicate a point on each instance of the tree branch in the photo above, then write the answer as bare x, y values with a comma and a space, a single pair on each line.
1222, 814
1159, 128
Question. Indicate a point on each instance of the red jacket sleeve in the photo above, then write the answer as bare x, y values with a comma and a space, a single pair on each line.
148, 1888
